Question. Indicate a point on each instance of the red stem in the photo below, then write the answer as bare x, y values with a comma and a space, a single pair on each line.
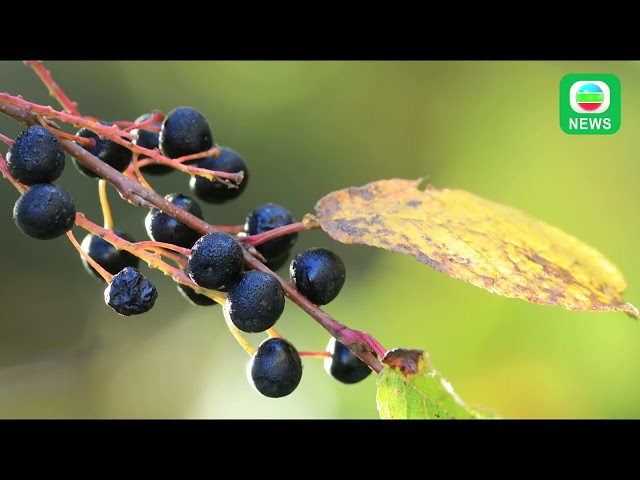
54, 90
315, 354
5, 139
270, 234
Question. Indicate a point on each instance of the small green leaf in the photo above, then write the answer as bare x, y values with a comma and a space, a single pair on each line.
409, 388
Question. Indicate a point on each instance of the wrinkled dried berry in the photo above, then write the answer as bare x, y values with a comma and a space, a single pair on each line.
130, 293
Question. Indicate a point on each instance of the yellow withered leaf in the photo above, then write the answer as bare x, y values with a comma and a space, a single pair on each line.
489, 245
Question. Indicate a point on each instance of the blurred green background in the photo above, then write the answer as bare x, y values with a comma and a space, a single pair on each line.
306, 129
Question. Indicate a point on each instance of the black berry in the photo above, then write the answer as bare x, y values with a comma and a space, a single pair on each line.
184, 131
275, 369
110, 152
268, 217
35, 156
212, 191
194, 297
130, 293
256, 302
344, 365
44, 211
164, 228
216, 261
106, 255
318, 274
150, 140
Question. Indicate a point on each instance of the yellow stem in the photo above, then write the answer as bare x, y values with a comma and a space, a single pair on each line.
273, 334
138, 173
237, 334
104, 203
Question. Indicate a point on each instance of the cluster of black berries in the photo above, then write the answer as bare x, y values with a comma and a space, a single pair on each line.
255, 300
44, 210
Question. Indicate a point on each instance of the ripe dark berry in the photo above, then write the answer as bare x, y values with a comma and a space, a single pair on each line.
318, 274
44, 211
212, 191
130, 293
344, 365
256, 302
106, 255
216, 261
265, 218
35, 156
194, 297
149, 139
275, 369
110, 152
184, 131
164, 228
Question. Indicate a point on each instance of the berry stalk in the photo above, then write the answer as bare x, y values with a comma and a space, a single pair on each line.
103, 273
260, 238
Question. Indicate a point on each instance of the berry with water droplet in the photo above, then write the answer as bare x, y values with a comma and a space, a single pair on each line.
35, 156
275, 369
44, 211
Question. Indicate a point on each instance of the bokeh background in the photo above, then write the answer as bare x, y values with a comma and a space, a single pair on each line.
306, 129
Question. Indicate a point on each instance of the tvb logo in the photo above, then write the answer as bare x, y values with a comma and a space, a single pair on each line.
590, 104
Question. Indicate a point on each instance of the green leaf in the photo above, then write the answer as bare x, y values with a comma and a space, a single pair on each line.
409, 388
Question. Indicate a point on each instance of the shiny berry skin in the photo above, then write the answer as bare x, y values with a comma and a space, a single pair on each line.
149, 139
256, 302
268, 217
275, 369
318, 274
44, 211
344, 365
35, 156
212, 191
216, 261
184, 131
110, 152
164, 228
130, 293
106, 255
194, 297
